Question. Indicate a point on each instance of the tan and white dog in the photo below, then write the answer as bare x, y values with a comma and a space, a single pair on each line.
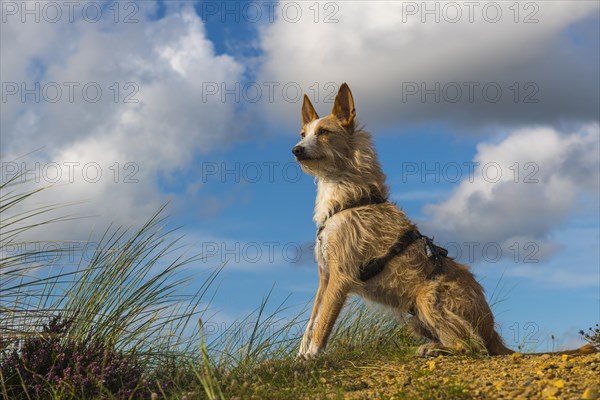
367, 246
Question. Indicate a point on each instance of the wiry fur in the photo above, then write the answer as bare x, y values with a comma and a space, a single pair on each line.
450, 308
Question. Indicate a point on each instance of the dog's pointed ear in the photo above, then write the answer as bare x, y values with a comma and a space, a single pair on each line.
308, 111
343, 108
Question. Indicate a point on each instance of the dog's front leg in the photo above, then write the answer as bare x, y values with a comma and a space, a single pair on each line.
306, 339
334, 297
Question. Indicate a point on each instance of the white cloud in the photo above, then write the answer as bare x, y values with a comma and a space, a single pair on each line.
557, 172
378, 46
159, 64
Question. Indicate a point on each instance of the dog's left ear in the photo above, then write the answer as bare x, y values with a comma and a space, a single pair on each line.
343, 108
308, 111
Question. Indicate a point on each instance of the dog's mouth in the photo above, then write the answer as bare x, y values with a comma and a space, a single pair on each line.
305, 158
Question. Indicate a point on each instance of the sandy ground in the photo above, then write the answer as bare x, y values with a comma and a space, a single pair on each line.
516, 376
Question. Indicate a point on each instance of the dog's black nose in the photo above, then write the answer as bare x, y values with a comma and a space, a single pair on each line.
298, 150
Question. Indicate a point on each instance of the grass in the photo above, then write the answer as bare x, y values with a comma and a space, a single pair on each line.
273, 371
124, 323
127, 299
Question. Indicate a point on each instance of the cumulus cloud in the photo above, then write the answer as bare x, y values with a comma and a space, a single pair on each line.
120, 99
524, 188
390, 57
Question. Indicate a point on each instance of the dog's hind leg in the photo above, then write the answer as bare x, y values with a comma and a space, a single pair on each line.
453, 332
314, 316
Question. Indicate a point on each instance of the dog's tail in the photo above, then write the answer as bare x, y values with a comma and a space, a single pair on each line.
496, 347
583, 350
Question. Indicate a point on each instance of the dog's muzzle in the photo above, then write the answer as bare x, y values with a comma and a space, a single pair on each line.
298, 151
302, 155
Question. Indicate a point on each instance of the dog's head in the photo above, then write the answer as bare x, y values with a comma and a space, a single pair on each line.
326, 146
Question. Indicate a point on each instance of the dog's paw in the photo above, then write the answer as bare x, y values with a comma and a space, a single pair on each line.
311, 353
305, 356
304, 345
431, 350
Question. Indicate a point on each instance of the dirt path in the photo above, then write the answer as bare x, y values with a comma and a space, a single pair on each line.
505, 377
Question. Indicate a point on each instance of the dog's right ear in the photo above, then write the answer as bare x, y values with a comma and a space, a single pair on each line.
308, 111
343, 108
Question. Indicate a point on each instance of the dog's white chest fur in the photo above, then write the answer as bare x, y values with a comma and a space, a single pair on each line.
325, 192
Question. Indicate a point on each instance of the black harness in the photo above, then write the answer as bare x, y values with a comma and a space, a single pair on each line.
375, 266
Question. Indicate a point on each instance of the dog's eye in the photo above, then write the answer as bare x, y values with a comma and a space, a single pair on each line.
323, 131
302, 134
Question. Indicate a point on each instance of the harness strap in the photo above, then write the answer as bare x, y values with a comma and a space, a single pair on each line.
374, 267
377, 265
363, 201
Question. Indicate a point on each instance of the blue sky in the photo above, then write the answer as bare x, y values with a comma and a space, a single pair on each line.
450, 104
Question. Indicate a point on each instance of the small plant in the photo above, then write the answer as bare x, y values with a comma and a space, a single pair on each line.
50, 363
592, 336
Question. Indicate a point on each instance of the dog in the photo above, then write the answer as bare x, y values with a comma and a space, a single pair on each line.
367, 246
